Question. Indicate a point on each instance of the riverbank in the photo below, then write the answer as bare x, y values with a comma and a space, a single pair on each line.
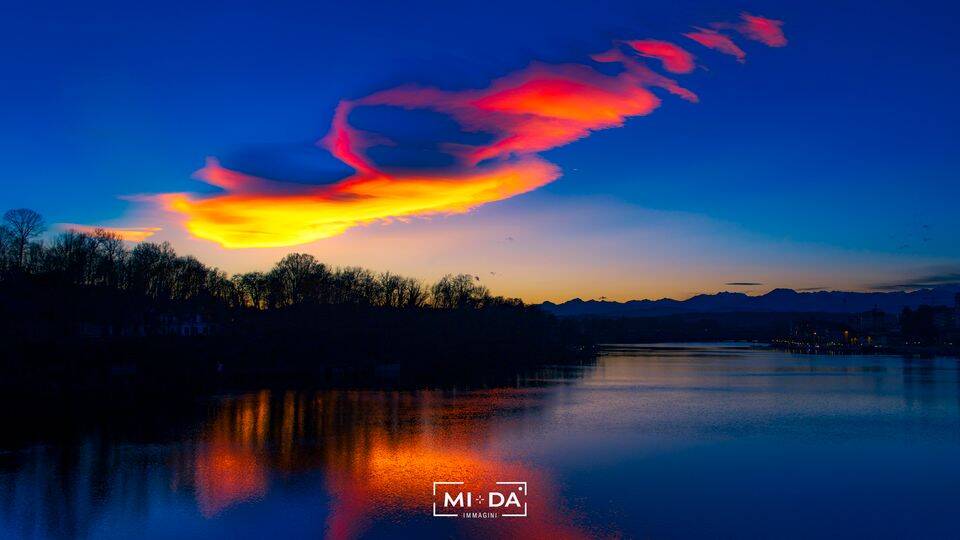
908, 351
207, 364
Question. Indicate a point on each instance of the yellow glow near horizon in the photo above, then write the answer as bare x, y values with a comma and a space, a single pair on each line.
129, 234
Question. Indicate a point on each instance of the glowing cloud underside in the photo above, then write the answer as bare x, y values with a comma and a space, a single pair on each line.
527, 112
241, 218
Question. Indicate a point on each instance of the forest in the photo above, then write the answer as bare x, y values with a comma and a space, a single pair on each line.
77, 305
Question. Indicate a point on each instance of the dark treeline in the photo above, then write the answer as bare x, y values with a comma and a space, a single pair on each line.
926, 331
155, 271
81, 305
696, 327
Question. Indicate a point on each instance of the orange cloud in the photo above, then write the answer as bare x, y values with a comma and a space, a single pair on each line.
674, 58
130, 234
762, 29
248, 216
536, 109
712, 39
526, 112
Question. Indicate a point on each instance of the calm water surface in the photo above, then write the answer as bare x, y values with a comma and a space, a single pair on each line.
651, 441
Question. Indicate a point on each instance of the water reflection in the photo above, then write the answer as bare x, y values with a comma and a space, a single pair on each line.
631, 446
226, 467
377, 452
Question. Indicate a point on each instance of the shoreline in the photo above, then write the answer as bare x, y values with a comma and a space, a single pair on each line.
905, 351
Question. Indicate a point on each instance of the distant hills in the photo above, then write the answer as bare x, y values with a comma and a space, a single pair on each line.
775, 301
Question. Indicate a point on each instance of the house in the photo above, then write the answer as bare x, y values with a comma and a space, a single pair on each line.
183, 325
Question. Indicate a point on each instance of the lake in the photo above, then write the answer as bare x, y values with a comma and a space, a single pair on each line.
662, 441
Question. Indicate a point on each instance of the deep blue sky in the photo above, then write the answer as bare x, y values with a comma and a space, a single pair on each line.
845, 141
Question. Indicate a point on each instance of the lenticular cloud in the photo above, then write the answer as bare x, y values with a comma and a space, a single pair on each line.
522, 114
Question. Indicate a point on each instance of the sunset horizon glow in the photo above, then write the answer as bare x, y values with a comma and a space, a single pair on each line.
789, 147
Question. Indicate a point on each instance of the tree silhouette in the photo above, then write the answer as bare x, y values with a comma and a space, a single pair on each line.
110, 258
155, 271
23, 224
300, 278
253, 289
457, 292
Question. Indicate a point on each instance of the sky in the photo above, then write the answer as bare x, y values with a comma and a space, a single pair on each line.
554, 149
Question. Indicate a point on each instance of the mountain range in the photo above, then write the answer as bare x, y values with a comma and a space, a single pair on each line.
775, 301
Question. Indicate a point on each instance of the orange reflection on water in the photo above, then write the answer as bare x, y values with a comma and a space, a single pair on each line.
380, 453
400, 479
227, 468
226, 475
